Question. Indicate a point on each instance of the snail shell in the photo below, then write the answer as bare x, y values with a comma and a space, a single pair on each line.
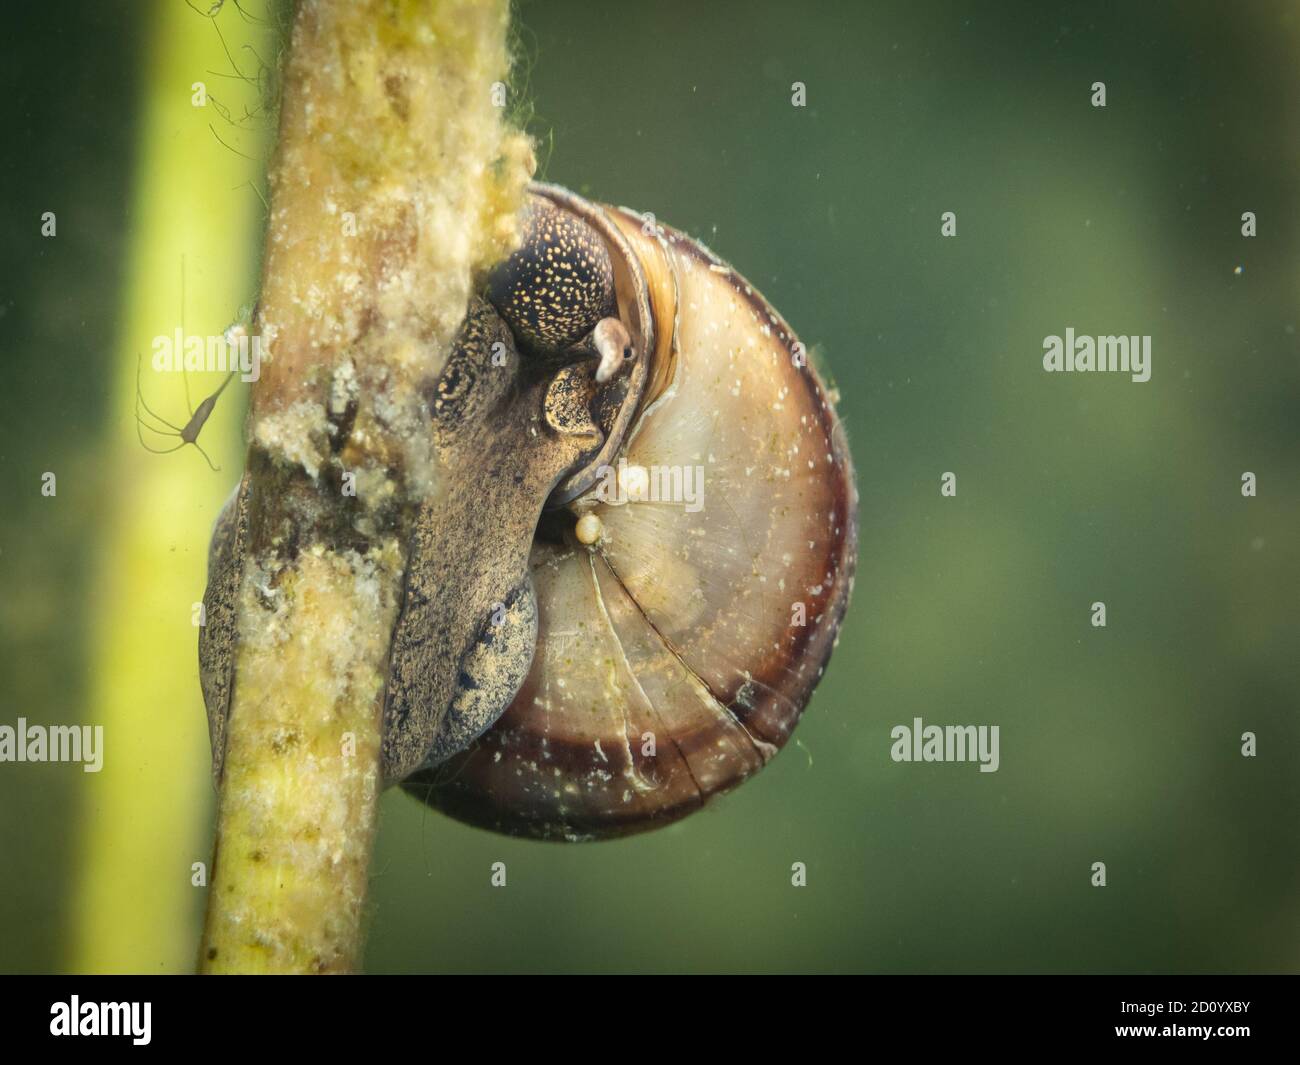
676, 646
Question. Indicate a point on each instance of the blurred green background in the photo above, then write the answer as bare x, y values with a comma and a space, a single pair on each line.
1119, 745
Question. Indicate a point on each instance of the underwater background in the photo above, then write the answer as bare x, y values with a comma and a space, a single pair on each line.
1120, 744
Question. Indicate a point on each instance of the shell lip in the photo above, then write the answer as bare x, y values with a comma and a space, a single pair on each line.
634, 310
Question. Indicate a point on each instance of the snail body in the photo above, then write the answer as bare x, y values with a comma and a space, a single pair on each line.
669, 664
667, 548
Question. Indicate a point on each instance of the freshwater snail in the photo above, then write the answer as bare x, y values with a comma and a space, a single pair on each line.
636, 577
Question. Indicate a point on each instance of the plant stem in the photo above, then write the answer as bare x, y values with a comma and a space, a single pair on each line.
395, 186
134, 908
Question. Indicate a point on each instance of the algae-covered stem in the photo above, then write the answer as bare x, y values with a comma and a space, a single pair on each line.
395, 186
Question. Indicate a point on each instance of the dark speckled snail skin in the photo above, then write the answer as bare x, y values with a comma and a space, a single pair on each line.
569, 664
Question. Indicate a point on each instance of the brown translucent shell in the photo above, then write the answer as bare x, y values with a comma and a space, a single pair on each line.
671, 663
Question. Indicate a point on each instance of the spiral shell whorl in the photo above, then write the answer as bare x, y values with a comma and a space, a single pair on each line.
676, 653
